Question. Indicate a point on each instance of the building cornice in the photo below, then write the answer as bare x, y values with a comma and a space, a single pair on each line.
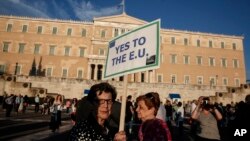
45, 20
201, 33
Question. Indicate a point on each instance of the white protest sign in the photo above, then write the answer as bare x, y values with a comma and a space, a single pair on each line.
135, 51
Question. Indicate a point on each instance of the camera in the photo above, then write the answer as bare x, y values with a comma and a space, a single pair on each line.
205, 101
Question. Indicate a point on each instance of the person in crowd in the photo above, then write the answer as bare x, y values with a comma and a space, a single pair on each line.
9, 105
20, 108
68, 106
207, 117
25, 103
5, 95
188, 109
129, 109
161, 113
180, 117
193, 105
93, 125
241, 120
17, 103
169, 110
174, 109
56, 110
37, 103
151, 129
74, 110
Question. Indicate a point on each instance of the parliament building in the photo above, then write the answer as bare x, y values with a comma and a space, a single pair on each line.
51, 56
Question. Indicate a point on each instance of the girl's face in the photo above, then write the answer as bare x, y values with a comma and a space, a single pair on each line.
144, 113
105, 105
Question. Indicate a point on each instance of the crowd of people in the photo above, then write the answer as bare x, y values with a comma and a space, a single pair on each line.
97, 116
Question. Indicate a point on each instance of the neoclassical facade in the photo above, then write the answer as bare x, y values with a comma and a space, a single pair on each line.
77, 50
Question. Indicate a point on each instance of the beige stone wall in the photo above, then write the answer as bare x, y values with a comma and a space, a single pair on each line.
74, 88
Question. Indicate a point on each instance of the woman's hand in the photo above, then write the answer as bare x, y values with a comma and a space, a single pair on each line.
120, 136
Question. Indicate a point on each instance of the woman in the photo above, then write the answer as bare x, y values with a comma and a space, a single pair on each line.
95, 126
207, 117
151, 127
56, 110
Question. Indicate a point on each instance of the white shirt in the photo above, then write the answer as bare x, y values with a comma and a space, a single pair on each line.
193, 107
37, 99
161, 113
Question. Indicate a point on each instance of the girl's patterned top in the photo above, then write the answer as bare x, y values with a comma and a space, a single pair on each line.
154, 130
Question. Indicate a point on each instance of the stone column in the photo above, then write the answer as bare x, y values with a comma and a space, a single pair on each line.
146, 76
88, 71
95, 72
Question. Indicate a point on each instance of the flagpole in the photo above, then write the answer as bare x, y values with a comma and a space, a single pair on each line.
123, 7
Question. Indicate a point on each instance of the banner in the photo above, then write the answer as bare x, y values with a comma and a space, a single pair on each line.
135, 51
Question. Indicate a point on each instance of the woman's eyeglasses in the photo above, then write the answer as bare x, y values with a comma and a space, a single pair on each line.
108, 101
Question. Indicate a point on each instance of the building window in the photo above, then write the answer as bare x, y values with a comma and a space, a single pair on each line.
121, 78
235, 63
101, 52
54, 30
103, 33
2, 69
66, 51
99, 72
6, 47
162, 58
234, 46
84, 32
142, 77
64, 72
198, 43
21, 48
210, 44
81, 50
222, 45
225, 81
159, 78
199, 80
173, 58
173, 79
69, 32
212, 81
172, 40
52, 50
185, 41
237, 82
199, 60
37, 48
116, 32
80, 74
211, 61
186, 59
122, 31
39, 29
18, 70
9, 27
49, 72
224, 62
25, 28
186, 79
